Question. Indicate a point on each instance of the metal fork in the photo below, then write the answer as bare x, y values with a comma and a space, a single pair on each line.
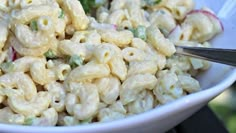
225, 56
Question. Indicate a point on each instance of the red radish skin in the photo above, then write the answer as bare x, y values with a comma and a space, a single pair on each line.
172, 30
176, 30
13, 54
115, 26
208, 14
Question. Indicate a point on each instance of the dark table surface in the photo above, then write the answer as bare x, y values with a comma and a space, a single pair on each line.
204, 121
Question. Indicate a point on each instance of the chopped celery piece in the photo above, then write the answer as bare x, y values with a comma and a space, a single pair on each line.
75, 61
7, 67
62, 14
50, 54
196, 63
29, 121
34, 25
140, 32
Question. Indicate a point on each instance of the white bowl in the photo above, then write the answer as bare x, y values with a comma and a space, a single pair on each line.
213, 82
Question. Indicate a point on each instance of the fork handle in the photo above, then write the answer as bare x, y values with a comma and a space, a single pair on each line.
225, 56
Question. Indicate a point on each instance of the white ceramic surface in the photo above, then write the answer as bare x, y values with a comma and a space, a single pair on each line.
159, 120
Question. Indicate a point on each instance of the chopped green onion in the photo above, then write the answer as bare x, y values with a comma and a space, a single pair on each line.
62, 14
34, 25
140, 32
7, 67
75, 61
50, 54
29, 121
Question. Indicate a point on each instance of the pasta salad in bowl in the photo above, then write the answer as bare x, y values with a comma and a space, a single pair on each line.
97, 65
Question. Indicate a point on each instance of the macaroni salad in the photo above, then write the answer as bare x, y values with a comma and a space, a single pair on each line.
72, 62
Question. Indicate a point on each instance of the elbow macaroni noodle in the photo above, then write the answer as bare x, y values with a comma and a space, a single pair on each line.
61, 66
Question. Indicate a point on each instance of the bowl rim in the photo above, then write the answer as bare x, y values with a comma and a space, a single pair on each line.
135, 120
132, 121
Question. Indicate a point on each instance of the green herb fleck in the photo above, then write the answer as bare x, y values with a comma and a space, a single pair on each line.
7, 67
75, 61
50, 54
34, 25
62, 14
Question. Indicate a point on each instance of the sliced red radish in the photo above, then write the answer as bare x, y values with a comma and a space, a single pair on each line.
214, 17
12, 54
175, 33
172, 30
209, 14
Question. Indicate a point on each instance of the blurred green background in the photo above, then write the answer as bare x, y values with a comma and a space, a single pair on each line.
224, 107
